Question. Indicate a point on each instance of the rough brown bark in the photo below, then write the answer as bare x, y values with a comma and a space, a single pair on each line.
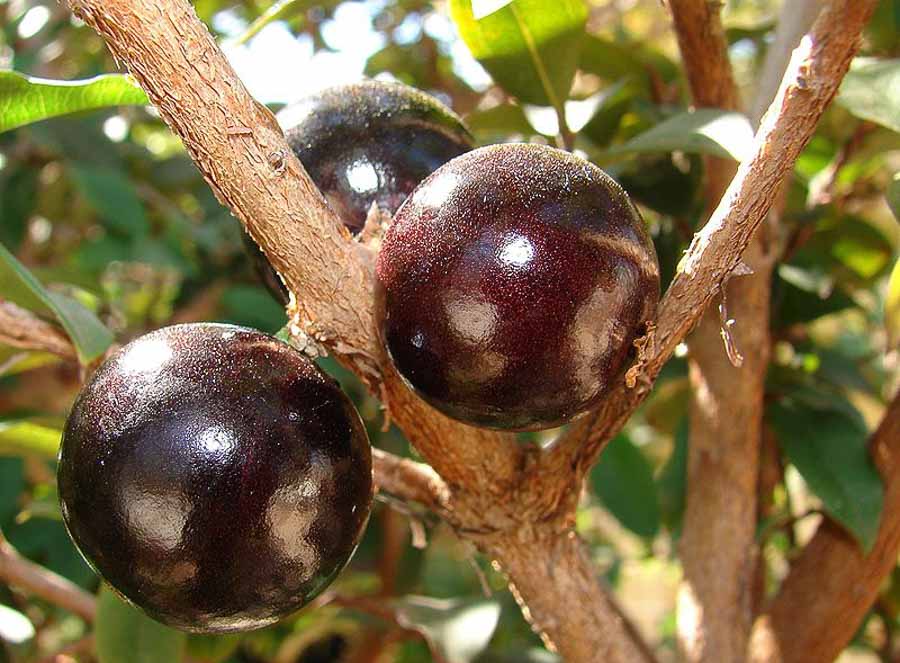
833, 584
717, 546
548, 572
21, 329
812, 78
500, 495
240, 149
242, 153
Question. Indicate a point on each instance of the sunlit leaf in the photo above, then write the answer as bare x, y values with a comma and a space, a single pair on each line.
18, 285
25, 437
623, 480
459, 629
24, 99
871, 91
827, 445
530, 47
482, 8
892, 308
15, 627
704, 131
126, 635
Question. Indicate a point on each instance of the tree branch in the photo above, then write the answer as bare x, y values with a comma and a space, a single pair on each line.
17, 571
833, 583
21, 329
547, 573
410, 480
241, 151
717, 546
811, 81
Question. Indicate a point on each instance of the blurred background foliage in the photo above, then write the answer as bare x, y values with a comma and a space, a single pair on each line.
104, 209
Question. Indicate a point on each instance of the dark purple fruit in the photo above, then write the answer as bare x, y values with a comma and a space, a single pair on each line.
511, 285
214, 476
369, 142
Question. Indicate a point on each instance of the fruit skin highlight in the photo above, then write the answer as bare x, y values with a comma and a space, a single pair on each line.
364, 143
511, 285
214, 477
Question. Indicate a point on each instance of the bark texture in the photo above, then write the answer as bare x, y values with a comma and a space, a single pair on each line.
833, 583
21, 329
517, 503
547, 573
717, 544
810, 82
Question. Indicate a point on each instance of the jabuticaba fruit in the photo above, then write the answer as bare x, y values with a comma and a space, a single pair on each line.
364, 143
214, 477
511, 285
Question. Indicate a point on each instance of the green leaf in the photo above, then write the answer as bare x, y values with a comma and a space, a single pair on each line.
114, 198
18, 285
893, 196
12, 483
459, 629
616, 61
530, 47
709, 131
871, 91
211, 648
252, 306
24, 99
18, 197
26, 437
672, 480
126, 635
623, 480
482, 8
827, 445
892, 308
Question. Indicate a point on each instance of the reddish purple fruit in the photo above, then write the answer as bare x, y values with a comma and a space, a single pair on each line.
511, 286
214, 477
370, 142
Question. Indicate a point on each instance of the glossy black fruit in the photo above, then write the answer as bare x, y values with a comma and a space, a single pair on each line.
511, 285
214, 476
369, 142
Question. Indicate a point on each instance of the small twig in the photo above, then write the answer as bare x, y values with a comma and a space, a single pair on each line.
811, 81
409, 480
22, 329
17, 571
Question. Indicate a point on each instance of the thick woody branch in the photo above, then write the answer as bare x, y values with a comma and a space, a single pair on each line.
238, 146
717, 544
833, 583
816, 69
16, 571
555, 582
704, 50
21, 329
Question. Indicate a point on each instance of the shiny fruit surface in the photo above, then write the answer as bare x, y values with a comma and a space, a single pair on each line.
511, 285
364, 143
214, 477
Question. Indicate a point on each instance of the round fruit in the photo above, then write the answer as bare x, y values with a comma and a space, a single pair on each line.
369, 142
511, 284
214, 476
